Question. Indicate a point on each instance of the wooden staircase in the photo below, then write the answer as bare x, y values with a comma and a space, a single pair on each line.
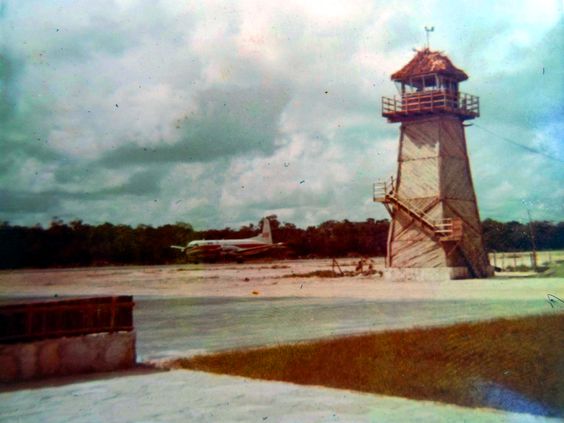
446, 230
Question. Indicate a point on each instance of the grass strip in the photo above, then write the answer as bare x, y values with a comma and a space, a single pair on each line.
511, 364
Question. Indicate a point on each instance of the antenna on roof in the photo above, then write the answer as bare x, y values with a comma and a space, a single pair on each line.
427, 31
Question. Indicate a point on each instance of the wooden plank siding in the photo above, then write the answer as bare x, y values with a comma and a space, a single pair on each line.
452, 130
423, 178
434, 177
413, 245
455, 180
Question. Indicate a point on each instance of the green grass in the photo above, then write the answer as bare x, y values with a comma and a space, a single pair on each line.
556, 270
524, 268
466, 364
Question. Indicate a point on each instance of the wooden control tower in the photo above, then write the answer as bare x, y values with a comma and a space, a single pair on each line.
435, 229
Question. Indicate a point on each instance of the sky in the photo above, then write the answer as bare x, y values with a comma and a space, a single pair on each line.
217, 113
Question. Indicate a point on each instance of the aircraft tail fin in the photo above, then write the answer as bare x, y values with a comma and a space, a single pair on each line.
266, 234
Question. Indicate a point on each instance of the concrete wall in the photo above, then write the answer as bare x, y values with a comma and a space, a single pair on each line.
65, 356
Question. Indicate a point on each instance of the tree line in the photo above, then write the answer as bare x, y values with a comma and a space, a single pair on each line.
79, 244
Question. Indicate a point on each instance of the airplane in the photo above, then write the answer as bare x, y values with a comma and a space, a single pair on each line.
238, 249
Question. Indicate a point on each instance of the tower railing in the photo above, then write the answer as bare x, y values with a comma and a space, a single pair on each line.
449, 229
383, 188
427, 102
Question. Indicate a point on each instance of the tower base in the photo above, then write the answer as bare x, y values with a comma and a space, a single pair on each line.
425, 274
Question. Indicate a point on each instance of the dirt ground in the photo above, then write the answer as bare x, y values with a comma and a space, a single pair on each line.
267, 279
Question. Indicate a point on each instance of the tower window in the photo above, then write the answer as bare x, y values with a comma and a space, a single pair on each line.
430, 83
448, 84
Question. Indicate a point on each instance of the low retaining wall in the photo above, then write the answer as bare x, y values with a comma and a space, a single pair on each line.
60, 337
67, 356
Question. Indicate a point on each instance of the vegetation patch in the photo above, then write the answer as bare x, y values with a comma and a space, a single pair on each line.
525, 268
515, 364
275, 266
319, 274
75, 243
556, 270
331, 274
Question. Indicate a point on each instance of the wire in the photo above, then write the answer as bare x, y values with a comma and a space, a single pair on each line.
524, 147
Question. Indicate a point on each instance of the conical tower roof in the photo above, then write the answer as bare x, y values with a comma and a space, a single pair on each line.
426, 62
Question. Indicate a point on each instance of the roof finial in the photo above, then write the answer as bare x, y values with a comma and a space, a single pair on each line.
427, 31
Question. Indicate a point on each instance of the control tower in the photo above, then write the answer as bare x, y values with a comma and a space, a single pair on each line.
435, 231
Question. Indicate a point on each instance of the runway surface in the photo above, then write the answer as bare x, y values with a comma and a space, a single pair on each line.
173, 327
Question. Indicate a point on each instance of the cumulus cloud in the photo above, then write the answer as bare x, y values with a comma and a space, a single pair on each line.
220, 112
225, 123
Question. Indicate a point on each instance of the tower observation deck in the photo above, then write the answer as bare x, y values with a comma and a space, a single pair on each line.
428, 84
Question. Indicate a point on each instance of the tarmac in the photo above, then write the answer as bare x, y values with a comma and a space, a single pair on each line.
185, 310
188, 396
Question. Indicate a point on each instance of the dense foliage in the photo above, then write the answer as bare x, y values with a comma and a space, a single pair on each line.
79, 244
515, 236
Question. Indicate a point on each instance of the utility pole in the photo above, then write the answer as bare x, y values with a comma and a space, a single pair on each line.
532, 233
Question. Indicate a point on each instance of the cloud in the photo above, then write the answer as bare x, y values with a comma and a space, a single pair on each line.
141, 184
17, 202
8, 74
531, 84
227, 123
218, 112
